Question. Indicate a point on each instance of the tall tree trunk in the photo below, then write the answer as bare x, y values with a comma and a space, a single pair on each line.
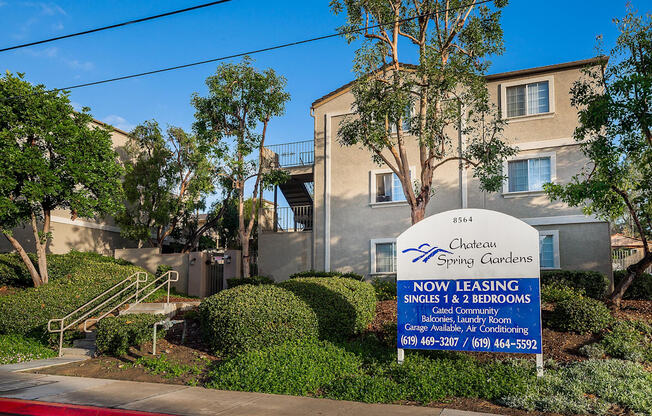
36, 278
41, 241
418, 213
633, 272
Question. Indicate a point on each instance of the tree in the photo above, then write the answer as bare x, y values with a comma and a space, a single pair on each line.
52, 158
613, 100
167, 180
234, 117
428, 103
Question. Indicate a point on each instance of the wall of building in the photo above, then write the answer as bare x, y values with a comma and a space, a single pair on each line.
150, 258
281, 254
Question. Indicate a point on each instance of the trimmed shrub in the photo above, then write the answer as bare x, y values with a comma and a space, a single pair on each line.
365, 388
75, 278
253, 280
385, 289
161, 269
290, 368
640, 289
250, 317
318, 273
629, 340
594, 284
116, 334
344, 307
580, 314
16, 348
556, 292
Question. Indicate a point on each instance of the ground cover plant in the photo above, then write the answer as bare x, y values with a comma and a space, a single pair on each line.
75, 278
16, 348
116, 334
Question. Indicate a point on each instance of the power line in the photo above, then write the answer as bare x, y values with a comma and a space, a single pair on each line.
257, 51
130, 22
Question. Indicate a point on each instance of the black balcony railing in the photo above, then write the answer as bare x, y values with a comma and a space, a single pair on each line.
287, 219
293, 154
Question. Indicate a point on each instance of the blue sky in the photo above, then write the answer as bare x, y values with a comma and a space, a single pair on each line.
536, 33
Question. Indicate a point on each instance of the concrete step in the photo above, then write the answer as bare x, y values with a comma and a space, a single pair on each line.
169, 309
78, 352
92, 335
84, 343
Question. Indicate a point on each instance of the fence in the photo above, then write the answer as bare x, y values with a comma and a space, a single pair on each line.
293, 154
622, 258
288, 219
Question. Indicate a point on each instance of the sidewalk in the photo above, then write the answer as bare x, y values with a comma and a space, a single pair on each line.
190, 401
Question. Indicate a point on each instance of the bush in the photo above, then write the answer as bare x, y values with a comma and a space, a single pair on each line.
385, 289
161, 269
316, 273
594, 284
116, 334
249, 317
290, 368
594, 350
17, 349
592, 386
556, 292
75, 278
344, 307
640, 289
365, 388
629, 340
580, 314
253, 280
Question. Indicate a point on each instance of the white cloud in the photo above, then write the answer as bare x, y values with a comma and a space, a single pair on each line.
118, 122
3, 3
75, 64
53, 53
47, 9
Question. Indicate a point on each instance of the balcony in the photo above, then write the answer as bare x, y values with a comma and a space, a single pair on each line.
287, 219
289, 155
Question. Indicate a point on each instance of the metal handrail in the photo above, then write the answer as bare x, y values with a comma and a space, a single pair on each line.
86, 315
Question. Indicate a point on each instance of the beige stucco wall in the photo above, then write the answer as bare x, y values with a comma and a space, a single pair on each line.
284, 253
150, 258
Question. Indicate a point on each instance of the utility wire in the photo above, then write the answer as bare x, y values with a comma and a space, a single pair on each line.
130, 22
257, 51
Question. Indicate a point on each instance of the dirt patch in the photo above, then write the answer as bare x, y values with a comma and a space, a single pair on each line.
635, 309
191, 354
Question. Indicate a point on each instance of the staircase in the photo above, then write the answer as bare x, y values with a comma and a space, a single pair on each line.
82, 347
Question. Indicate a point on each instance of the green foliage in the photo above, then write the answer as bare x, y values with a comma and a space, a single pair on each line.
76, 279
593, 284
594, 351
116, 334
385, 289
612, 99
248, 317
161, 269
592, 386
290, 368
168, 178
315, 273
162, 365
344, 307
16, 348
629, 340
556, 292
53, 157
252, 280
640, 289
365, 388
580, 314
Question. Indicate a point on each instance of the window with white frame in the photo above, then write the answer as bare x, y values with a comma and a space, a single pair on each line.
529, 174
388, 188
406, 121
383, 256
528, 99
549, 249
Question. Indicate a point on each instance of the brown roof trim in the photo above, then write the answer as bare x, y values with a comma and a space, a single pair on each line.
492, 77
103, 124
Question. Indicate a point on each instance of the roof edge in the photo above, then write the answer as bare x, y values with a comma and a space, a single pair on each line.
103, 124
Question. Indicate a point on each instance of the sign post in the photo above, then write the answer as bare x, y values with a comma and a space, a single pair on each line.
468, 280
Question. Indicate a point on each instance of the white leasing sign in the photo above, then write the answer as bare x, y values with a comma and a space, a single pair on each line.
468, 280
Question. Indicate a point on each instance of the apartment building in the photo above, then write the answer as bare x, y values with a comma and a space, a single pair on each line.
344, 212
100, 235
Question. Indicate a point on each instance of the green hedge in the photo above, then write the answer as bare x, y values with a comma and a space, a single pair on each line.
594, 284
344, 307
640, 289
253, 280
249, 317
580, 314
116, 334
321, 273
556, 292
385, 289
75, 279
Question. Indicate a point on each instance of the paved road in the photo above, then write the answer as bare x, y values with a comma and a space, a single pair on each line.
189, 401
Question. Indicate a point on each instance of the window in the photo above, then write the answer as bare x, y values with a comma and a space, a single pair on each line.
406, 122
529, 174
383, 256
549, 249
389, 188
528, 99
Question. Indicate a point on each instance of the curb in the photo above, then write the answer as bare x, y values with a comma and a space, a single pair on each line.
34, 408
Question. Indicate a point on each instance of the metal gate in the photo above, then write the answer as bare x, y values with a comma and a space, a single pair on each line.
215, 278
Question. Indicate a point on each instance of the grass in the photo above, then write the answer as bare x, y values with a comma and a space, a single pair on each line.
16, 348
